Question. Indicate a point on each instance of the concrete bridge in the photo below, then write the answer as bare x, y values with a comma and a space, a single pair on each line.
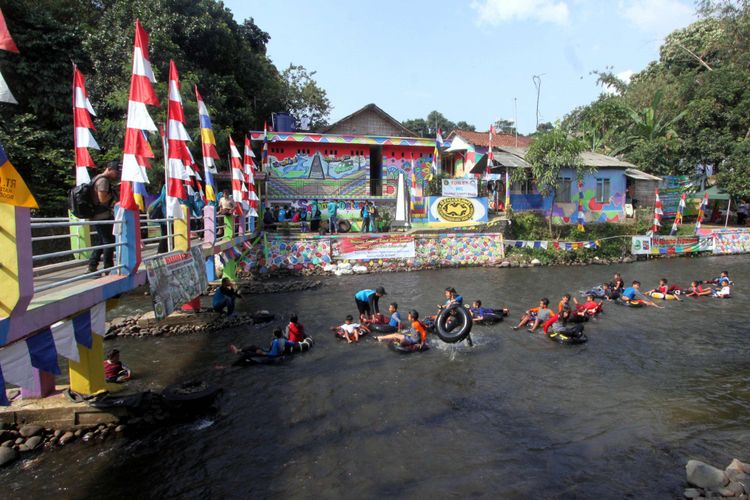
51, 305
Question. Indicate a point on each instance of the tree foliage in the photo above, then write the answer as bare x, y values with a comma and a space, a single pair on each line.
226, 59
686, 110
427, 127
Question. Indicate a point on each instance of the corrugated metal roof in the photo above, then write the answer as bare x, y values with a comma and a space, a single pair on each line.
634, 173
588, 158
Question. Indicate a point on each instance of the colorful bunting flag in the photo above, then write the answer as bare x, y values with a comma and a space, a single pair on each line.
179, 158
436, 152
137, 150
507, 190
701, 212
678, 216
208, 142
13, 189
580, 207
82, 127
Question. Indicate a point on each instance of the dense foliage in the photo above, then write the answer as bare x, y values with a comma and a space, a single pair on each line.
427, 127
226, 59
685, 111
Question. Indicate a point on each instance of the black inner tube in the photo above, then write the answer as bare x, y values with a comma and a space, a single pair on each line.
453, 324
381, 328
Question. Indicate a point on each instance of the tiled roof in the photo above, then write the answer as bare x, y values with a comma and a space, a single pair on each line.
481, 139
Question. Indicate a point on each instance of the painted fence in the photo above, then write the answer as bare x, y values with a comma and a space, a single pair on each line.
731, 241
297, 253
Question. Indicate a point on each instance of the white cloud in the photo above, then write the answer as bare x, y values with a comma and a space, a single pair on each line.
657, 17
494, 12
625, 76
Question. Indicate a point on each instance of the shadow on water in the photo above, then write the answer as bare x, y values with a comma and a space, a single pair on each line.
515, 416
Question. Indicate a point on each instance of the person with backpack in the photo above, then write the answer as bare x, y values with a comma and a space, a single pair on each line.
103, 198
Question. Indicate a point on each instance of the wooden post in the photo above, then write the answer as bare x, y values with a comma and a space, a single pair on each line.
129, 255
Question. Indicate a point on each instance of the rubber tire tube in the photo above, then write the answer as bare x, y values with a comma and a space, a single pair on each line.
344, 226
455, 334
381, 328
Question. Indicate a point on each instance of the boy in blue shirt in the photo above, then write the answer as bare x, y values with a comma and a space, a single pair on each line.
395, 320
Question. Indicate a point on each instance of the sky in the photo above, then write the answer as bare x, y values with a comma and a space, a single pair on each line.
472, 60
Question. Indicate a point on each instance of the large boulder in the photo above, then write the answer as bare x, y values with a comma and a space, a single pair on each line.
31, 430
33, 442
7, 455
705, 476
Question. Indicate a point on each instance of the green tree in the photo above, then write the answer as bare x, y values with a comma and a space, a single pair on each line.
503, 126
734, 176
305, 98
466, 126
548, 155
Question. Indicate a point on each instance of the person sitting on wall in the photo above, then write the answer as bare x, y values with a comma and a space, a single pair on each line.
225, 296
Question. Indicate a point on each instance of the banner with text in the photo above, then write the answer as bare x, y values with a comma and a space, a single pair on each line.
461, 187
175, 279
373, 247
666, 245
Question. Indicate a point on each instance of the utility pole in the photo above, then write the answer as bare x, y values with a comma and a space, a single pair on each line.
537, 79
515, 118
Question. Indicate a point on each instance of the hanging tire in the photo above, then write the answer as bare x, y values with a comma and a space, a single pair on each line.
344, 226
453, 333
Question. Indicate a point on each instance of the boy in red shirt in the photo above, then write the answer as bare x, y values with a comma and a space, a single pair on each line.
590, 307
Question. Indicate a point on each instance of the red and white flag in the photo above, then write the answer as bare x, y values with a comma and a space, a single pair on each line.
6, 43
251, 197
83, 139
490, 157
137, 150
238, 177
658, 212
179, 159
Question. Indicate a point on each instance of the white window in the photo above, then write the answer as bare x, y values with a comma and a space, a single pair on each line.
602, 190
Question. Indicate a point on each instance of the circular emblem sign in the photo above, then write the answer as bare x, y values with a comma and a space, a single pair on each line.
455, 209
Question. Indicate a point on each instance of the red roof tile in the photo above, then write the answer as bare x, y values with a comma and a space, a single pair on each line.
498, 141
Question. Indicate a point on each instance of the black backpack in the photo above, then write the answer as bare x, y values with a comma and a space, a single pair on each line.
81, 200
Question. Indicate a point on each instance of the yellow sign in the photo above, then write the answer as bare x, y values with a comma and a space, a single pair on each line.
13, 189
455, 209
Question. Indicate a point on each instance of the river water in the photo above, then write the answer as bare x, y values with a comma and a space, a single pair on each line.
513, 417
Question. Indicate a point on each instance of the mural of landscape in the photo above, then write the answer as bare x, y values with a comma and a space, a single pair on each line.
294, 175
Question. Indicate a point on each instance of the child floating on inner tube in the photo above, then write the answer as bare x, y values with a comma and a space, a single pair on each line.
589, 308
451, 297
415, 337
278, 345
536, 315
295, 331
114, 370
479, 313
697, 290
664, 289
722, 280
558, 323
633, 294
350, 330
617, 284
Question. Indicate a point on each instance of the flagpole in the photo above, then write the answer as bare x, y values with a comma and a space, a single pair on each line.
165, 147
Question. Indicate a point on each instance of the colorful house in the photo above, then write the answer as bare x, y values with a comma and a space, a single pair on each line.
359, 157
608, 194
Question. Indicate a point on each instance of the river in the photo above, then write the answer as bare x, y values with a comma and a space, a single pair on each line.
515, 416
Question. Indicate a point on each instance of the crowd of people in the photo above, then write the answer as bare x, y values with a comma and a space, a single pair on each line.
311, 218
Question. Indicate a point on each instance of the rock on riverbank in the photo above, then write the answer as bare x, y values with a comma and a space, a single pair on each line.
182, 323
709, 482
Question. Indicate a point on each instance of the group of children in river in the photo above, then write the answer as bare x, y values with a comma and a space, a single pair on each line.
412, 333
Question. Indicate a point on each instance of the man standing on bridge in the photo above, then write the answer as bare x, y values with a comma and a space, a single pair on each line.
104, 197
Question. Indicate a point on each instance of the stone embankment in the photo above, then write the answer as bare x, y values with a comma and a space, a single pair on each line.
707, 481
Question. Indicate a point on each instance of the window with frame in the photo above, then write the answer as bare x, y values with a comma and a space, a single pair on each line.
602, 190
565, 190
521, 187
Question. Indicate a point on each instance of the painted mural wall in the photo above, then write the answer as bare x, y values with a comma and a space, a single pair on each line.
609, 209
318, 170
398, 160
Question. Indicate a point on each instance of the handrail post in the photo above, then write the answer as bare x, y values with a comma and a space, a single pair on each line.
16, 267
228, 227
209, 236
128, 255
80, 237
182, 230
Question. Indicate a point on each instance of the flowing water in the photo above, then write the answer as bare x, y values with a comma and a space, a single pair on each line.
515, 416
